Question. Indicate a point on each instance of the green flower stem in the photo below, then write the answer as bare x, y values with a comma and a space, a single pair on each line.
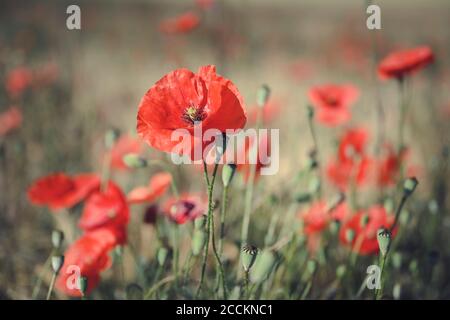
52, 285
379, 292
210, 185
223, 209
402, 116
37, 287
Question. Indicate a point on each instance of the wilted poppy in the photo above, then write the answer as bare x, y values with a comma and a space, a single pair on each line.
10, 120
18, 80
58, 190
400, 63
158, 185
105, 208
333, 102
183, 23
185, 208
360, 231
183, 100
123, 146
88, 256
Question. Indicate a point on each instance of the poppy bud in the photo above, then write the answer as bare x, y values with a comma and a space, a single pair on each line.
57, 263
263, 95
57, 238
220, 142
263, 266
83, 284
198, 241
314, 185
228, 171
199, 222
248, 256
134, 161
161, 255
111, 137
340, 270
384, 240
409, 186
364, 220
349, 235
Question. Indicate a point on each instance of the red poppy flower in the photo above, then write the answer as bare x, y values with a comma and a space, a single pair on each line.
263, 152
403, 62
158, 185
105, 208
301, 70
88, 256
333, 102
388, 166
182, 99
17, 80
185, 208
123, 146
319, 214
360, 231
183, 23
352, 163
58, 191
10, 120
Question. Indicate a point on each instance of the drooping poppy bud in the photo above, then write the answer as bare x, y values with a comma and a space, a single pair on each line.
111, 137
57, 263
83, 284
134, 161
228, 171
161, 255
263, 95
198, 241
200, 222
57, 238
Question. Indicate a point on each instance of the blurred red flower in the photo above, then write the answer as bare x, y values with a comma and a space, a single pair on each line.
185, 208
87, 257
123, 146
158, 185
58, 190
360, 231
301, 70
352, 164
388, 166
403, 62
18, 80
333, 102
263, 152
10, 120
269, 113
183, 23
319, 214
180, 100
105, 208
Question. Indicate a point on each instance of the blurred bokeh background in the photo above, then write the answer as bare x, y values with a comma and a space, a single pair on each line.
90, 80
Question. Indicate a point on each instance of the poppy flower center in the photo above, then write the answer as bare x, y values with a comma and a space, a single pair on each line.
193, 114
332, 100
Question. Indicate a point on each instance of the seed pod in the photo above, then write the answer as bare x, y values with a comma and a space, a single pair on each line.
134, 161
57, 238
200, 222
161, 255
409, 186
349, 235
248, 256
83, 284
340, 271
228, 171
263, 266
263, 95
198, 241
364, 220
57, 263
384, 240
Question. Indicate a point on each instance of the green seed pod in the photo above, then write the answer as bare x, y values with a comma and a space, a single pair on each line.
199, 223
262, 96
349, 235
198, 241
57, 263
83, 284
249, 254
314, 185
134, 292
134, 161
384, 240
228, 171
409, 186
263, 266
340, 271
111, 137
57, 238
364, 220
161, 255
